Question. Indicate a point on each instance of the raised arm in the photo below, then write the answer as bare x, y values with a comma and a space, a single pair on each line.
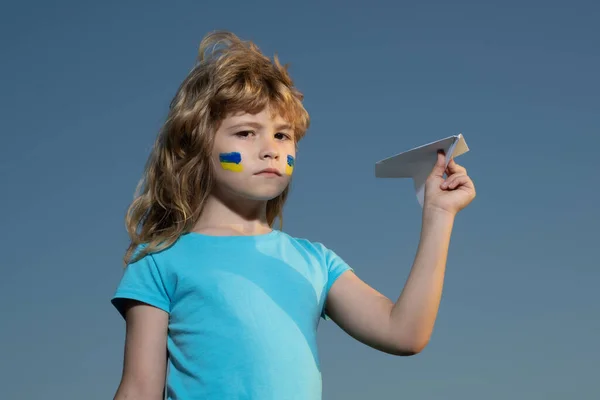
145, 360
401, 328
405, 327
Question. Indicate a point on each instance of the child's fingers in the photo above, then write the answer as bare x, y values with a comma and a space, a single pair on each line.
454, 168
438, 168
454, 180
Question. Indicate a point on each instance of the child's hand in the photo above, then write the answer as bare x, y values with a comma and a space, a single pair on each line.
452, 194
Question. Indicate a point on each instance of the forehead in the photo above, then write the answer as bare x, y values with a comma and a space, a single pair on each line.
265, 116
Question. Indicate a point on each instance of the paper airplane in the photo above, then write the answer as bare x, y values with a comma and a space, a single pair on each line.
418, 163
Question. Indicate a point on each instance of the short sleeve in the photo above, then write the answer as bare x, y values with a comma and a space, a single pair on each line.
144, 282
336, 266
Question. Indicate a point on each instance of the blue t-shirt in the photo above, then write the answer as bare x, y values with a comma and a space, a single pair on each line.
243, 313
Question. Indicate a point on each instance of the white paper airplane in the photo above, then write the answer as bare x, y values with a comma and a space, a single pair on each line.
418, 163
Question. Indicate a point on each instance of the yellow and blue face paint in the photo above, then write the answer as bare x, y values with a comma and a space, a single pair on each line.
231, 161
289, 168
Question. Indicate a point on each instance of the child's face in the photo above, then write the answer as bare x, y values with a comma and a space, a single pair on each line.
245, 146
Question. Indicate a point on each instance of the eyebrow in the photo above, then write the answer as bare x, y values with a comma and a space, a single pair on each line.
258, 125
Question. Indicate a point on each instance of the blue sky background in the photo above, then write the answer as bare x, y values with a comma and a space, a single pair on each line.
86, 85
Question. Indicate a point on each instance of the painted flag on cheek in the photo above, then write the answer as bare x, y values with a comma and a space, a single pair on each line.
231, 161
289, 168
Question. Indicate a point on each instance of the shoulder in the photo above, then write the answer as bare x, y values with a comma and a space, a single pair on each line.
162, 263
316, 248
326, 254
180, 249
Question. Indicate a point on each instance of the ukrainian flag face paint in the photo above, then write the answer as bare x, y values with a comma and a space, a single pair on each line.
231, 161
289, 167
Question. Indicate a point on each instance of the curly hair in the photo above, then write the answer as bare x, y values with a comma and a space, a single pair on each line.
230, 75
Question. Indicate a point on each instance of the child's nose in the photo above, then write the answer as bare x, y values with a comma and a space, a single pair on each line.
269, 149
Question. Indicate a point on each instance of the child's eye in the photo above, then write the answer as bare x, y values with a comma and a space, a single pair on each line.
282, 136
244, 134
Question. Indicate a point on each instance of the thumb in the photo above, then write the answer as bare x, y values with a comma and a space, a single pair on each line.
440, 166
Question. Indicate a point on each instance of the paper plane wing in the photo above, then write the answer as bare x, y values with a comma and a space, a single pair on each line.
418, 163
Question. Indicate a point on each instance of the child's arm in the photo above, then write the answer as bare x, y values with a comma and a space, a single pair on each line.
404, 327
145, 360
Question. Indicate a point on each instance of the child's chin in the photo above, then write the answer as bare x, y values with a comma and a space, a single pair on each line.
264, 194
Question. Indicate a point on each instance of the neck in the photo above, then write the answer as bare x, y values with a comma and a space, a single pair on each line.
226, 216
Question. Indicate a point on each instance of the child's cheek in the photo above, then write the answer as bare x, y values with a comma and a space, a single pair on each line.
289, 167
231, 161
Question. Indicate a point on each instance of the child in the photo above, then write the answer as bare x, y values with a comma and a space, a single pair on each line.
211, 292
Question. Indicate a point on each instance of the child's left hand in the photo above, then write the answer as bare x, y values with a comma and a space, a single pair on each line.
452, 194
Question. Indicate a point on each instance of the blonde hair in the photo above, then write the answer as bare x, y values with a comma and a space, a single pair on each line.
230, 75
